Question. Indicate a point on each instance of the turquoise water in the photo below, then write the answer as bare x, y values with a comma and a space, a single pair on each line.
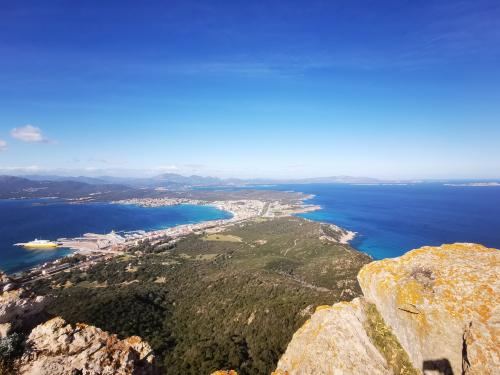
24, 220
392, 219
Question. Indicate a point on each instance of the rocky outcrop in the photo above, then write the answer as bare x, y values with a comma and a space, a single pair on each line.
56, 347
17, 308
434, 310
443, 304
333, 341
5, 282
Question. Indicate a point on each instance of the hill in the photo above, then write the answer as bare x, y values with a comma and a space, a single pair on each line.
18, 187
227, 300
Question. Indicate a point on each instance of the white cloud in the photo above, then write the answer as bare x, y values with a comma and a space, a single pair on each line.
23, 169
29, 133
3, 145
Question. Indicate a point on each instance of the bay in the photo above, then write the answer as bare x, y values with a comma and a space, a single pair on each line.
25, 220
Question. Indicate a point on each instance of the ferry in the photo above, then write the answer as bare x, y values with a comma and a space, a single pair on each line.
38, 244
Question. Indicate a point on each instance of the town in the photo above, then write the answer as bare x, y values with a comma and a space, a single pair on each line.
92, 248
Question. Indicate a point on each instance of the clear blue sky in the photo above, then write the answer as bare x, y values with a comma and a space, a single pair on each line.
405, 89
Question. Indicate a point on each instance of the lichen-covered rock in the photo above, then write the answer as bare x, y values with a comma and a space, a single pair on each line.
443, 304
333, 341
57, 348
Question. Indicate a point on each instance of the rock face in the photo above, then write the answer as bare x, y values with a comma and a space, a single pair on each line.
443, 304
333, 341
434, 310
17, 307
56, 347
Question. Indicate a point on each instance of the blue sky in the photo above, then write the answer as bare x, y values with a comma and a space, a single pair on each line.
398, 89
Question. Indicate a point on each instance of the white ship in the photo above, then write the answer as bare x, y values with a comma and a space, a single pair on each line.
38, 244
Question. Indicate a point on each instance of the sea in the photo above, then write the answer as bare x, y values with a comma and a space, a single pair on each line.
392, 219
25, 220
389, 219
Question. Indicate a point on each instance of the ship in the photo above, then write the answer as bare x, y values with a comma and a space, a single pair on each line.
38, 244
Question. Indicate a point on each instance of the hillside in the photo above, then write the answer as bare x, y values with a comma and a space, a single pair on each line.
18, 187
74, 189
259, 296
228, 300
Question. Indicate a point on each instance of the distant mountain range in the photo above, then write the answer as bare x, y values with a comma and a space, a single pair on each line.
108, 187
113, 188
173, 180
19, 187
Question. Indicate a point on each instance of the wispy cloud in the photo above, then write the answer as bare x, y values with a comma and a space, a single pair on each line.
29, 133
20, 169
3, 145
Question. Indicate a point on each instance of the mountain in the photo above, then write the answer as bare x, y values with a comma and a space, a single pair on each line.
188, 180
174, 181
19, 187
85, 179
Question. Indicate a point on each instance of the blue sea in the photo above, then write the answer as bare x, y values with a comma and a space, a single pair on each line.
24, 220
392, 219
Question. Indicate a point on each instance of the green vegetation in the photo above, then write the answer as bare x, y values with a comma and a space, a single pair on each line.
387, 344
10, 349
207, 305
221, 237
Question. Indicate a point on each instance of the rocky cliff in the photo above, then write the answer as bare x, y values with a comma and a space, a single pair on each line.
17, 306
56, 347
434, 310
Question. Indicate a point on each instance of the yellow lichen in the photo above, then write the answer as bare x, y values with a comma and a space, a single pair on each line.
410, 293
323, 307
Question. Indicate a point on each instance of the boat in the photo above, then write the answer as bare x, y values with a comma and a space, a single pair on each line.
38, 244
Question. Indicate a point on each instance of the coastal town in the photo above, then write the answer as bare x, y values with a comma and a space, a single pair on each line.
93, 247
240, 210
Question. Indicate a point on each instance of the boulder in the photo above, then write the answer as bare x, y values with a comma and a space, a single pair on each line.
443, 304
19, 307
333, 341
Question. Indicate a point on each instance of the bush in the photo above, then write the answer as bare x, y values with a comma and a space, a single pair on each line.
10, 349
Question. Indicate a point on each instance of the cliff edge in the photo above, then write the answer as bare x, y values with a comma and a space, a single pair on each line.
434, 310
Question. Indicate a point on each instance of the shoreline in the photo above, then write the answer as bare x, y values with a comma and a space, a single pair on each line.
100, 247
241, 210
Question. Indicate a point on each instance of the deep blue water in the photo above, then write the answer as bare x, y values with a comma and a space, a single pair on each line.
24, 220
392, 219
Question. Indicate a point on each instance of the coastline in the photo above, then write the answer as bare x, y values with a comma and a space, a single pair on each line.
100, 247
241, 210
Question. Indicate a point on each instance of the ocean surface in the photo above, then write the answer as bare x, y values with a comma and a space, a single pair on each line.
392, 219
25, 220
